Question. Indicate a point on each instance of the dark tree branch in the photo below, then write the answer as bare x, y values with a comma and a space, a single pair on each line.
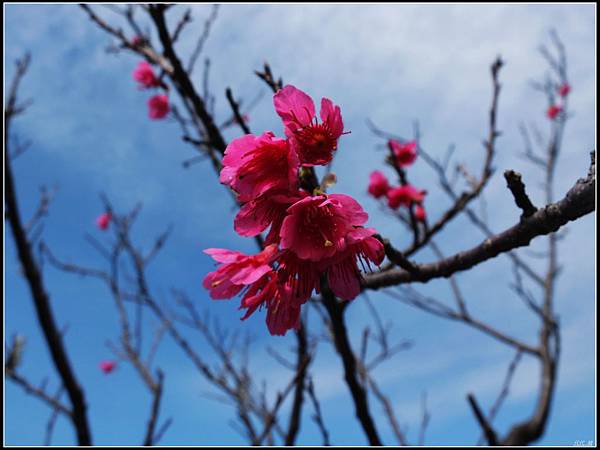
579, 201
235, 108
33, 276
182, 81
302, 360
489, 432
40, 393
505, 389
517, 188
52, 420
150, 438
267, 76
344, 349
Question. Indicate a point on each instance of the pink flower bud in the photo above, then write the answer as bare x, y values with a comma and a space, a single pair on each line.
554, 111
103, 220
564, 89
378, 184
404, 153
144, 75
404, 195
107, 366
420, 214
158, 106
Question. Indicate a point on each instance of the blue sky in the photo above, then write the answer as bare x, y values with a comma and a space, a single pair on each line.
390, 63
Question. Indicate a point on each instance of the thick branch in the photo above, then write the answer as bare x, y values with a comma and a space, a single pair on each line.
182, 81
579, 201
301, 369
342, 345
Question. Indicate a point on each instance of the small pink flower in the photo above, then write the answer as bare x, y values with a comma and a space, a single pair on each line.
554, 111
236, 271
378, 184
300, 275
420, 214
144, 75
314, 142
136, 40
107, 366
283, 307
316, 227
158, 106
405, 153
404, 195
103, 220
343, 274
253, 165
564, 89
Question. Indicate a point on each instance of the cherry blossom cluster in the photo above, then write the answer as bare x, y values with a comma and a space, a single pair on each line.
312, 235
402, 155
158, 105
556, 109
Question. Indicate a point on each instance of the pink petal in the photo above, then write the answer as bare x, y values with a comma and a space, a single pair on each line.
332, 116
295, 107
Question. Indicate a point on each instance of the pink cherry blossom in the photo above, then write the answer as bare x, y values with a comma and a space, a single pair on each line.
283, 311
107, 366
554, 111
236, 271
316, 227
253, 165
378, 184
144, 74
314, 142
404, 195
269, 209
258, 293
343, 274
158, 106
404, 153
103, 220
564, 89
283, 307
300, 275
420, 214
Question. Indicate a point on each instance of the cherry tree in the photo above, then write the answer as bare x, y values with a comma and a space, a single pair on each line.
316, 252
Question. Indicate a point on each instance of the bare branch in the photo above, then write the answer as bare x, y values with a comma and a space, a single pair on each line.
236, 111
489, 432
517, 188
150, 438
579, 201
202, 39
